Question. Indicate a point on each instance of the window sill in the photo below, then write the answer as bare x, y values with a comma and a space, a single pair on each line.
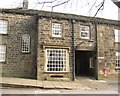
56, 72
117, 42
3, 34
57, 38
117, 68
26, 52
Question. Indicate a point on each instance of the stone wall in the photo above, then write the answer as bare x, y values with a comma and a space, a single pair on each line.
105, 43
39, 26
19, 64
106, 49
45, 40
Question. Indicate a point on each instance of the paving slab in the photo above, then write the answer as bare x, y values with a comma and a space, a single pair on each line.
75, 85
12, 81
66, 85
57, 85
39, 83
29, 83
48, 84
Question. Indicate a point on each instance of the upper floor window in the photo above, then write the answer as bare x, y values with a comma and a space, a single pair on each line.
56, 60
117, 35
117, 59
26, 43
85, 32
56, 30
3, 26
2, 53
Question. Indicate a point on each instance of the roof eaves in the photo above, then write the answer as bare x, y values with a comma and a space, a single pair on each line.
40, 13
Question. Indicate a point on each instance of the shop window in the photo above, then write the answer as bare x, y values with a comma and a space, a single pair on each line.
56, 60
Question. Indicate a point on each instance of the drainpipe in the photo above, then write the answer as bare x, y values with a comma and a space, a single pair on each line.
73, 52
96, 55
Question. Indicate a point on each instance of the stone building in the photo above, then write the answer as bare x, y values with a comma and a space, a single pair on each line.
46, 45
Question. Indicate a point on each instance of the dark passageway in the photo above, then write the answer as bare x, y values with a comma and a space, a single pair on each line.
84, 63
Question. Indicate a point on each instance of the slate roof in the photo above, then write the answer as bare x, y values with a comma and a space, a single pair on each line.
47, 14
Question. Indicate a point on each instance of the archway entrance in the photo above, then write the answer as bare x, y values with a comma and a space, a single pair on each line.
84, 63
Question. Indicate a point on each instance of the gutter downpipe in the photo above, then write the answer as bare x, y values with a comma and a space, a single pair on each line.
96, 48
73, 52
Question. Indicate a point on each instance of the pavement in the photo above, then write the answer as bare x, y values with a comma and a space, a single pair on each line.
80, 85
42, 84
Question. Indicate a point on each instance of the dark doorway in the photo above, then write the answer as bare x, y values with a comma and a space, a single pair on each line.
84, 63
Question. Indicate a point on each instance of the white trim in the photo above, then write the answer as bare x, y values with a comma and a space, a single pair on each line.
117, 35
117, 60
91, 64
54, 64
55, 30
84, 32
3, 26
26, 40
2, 52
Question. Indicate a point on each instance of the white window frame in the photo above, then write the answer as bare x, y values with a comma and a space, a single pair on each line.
85, 31
91, 63
117, 35
2, 53
56, 28
117, 60
56, 62
3, 26
25, 43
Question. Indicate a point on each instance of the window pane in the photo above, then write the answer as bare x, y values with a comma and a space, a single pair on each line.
117, 35
2, 53
56, 61
84, 33
25, 43
3, 26
117, 59
56, 30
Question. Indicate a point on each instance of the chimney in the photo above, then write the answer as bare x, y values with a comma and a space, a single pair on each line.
25, 4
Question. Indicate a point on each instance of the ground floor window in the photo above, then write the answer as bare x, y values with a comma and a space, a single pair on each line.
117, 59
91, 64
2, 53
56, 60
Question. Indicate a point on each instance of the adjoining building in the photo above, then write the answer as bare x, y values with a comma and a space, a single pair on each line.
46, 45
